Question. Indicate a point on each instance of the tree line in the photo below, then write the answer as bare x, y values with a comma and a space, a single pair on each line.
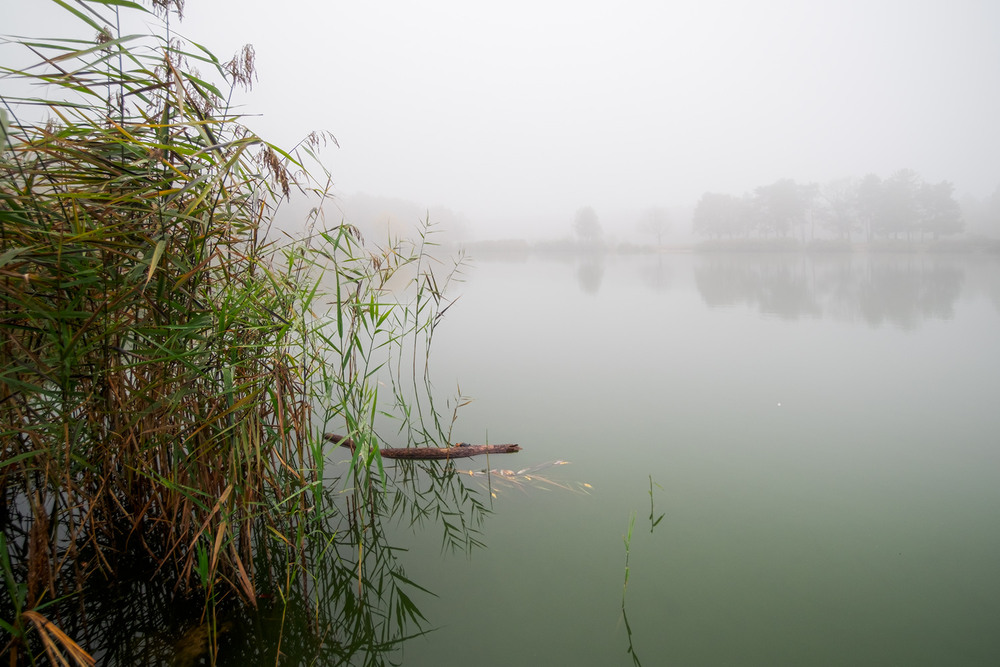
902, 206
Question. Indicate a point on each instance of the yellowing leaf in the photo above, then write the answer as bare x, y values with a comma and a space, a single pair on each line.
161, 245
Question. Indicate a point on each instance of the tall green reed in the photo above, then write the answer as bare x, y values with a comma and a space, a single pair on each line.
162, 357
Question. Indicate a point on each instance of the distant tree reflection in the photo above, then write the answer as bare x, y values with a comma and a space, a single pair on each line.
990, 279
902, 290
658, 276
589, 275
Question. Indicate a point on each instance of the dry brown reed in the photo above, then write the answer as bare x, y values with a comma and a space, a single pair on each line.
160, 359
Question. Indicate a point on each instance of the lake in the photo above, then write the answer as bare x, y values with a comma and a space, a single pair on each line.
809, 446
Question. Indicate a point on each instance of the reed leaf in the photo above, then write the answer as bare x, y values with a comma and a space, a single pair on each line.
163, 358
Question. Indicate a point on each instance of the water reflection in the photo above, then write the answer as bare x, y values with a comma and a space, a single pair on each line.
657, 275
780, 286
901, 290
589, 275
865, 501
346, 599
654, 521
897, 289
434, 492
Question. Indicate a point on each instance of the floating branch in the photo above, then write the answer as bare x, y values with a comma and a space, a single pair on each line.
461, 450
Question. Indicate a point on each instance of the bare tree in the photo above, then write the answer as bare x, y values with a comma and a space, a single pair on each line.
655, 222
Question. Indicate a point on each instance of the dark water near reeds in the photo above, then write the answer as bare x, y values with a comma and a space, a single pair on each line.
821, 436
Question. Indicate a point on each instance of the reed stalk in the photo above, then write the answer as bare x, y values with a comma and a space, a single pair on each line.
162, 357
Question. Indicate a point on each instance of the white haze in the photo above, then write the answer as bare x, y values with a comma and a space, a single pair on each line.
515, 114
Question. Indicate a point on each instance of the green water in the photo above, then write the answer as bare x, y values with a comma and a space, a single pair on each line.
823, 435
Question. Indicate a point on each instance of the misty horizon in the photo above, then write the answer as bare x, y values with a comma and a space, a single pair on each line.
835, 208
514, 118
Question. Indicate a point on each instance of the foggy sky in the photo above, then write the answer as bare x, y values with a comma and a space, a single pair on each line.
518, 113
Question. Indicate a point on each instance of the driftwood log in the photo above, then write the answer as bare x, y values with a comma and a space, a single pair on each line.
459, 451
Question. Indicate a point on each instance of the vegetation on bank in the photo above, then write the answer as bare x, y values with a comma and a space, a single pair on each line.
901, 213
901, 206
521, 249
167, 369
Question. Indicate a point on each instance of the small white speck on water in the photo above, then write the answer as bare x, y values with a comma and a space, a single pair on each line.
779, 405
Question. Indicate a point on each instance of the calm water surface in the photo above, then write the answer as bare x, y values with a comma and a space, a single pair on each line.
821, 436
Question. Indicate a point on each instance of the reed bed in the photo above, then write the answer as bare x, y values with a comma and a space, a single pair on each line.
163, 358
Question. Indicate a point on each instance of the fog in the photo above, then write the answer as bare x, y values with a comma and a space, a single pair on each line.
513, 116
